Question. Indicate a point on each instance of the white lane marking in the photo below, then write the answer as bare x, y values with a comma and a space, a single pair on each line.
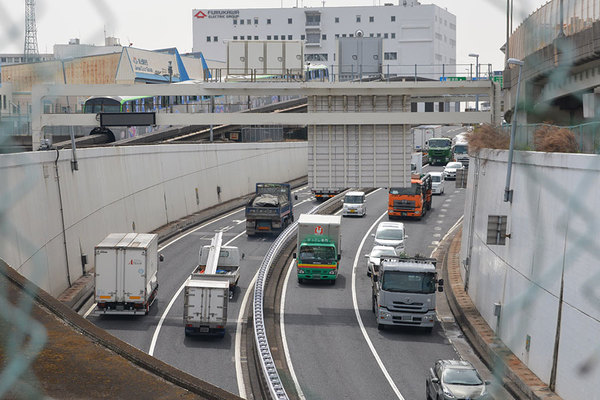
444, 210
286, 349
441, 215
439, 222
437, 228
360, 323
437, 235
448, 233
166, 312
238, 341
88, 312
435, 242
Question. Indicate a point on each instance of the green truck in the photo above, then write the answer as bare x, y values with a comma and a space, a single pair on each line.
319, 247
440, 151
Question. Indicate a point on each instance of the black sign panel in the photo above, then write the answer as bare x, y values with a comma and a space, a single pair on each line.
128, 119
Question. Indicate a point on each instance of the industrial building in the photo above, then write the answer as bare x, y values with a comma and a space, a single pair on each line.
411, 33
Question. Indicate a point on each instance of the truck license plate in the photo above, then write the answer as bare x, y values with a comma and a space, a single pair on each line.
404, 214
204, 329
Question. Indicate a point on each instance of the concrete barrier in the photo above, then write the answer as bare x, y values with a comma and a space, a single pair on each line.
52, 216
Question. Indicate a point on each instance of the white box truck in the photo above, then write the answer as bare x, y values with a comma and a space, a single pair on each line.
319, 247
205, 306
125, 279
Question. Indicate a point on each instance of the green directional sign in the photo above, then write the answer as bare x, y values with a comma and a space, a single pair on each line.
499, 79
453, 78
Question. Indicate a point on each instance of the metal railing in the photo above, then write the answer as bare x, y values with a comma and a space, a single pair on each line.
269, 369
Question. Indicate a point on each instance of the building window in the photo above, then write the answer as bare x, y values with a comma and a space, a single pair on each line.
323, 37
385, 35
371, 35
235, 21
393, 18
242, 37
452, 26
371, 19
302, 37
390, 56
438, 36
379, 35
337, 20
343, 35
289, 37
276, 37
351, 35
337, 35
268, 37
496, 231
235, 38
358, 18
215, 38
313, 19
249, 21
452, 42
255, 37
393, 35
289, 20
255, 21
316, 57
241, 22
313, 38
208, 38
268, 21
438, 57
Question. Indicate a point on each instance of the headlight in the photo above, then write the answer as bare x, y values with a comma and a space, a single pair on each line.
332, 272
448, 393
300, 271
384, 314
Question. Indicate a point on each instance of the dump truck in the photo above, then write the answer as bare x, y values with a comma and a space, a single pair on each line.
412, 201
125, 278
270, 210
403, 291
207, 290
318, 247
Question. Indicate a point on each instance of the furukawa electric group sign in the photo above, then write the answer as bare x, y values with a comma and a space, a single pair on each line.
216, 14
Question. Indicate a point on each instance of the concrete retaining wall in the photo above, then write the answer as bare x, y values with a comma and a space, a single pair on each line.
545, 276
120, 190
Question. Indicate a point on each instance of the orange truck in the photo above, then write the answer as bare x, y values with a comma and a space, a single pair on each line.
412, 201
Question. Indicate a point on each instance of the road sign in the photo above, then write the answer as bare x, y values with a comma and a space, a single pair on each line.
452, 78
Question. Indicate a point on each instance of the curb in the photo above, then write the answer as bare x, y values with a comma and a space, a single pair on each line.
515, 375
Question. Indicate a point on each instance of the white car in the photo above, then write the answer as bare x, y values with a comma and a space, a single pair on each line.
451, 168
354, 204
374, 258
390, 234
437, 182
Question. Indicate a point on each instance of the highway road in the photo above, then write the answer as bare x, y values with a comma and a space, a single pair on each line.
161, 332
331, 333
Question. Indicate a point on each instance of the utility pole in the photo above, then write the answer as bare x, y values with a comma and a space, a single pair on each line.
30, 52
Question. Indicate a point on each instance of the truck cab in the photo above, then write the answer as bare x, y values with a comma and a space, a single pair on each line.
404, 292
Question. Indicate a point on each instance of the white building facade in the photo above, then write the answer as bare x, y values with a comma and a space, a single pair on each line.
412, 33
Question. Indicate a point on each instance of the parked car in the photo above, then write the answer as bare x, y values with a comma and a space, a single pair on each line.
354, 204
390, 234
450, 169
455, 379
437, 182
374, 258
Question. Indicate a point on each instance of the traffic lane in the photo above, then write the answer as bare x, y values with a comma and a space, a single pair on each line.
408, 352
181, 257
327, 350
212, 358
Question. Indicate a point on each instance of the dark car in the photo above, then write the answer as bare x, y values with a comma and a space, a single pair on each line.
456, 380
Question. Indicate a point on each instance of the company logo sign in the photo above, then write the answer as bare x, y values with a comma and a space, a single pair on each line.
210, 14
318, 230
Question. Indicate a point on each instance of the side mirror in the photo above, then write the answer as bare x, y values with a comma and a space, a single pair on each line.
375, 277
488, 383
161, 258
372, 234
435, 380
366, 255
295, 197
294, 255
243, 255
339, 257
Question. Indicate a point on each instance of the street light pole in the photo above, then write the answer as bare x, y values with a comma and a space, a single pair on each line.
513, 127
476, 77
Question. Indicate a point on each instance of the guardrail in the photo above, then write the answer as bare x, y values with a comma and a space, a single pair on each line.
269, 369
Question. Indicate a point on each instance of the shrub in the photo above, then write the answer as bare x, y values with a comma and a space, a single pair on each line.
488, 137
555, 139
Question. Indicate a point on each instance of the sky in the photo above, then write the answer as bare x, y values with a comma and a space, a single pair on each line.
153, 24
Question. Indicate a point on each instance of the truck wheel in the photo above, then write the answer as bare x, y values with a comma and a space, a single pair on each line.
300, 281
332, 282
428, 329
373, 304
380, 327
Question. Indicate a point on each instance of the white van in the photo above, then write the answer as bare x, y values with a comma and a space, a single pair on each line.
437, 182
354, 204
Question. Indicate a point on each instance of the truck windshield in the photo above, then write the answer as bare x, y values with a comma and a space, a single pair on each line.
439, 142
411, 191
353, 199
408, 282
461, 149
317, 253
